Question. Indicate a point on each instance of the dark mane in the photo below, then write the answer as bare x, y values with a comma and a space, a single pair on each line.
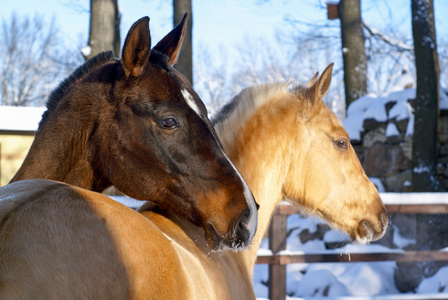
66, 84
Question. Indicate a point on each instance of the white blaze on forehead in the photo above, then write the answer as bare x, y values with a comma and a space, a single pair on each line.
190, 101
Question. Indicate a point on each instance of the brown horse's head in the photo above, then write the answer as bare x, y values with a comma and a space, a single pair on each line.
136, 123
329, 180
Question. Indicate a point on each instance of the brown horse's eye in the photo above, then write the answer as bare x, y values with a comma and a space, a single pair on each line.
168, 123
341, 144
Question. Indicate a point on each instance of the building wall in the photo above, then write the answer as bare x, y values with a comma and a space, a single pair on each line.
14, 146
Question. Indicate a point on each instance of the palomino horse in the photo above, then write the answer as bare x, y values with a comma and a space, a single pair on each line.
136, 123
287, 144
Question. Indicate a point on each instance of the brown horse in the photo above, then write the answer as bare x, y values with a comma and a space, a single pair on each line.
136, 123
287, 144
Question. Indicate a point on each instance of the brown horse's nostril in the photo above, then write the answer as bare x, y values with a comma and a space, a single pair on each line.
242, 232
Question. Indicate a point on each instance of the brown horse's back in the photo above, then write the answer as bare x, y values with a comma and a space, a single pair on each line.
62, 242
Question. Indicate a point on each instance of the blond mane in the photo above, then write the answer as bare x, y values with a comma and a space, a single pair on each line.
236, 113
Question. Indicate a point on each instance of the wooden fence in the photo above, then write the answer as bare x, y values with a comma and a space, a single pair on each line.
421, 203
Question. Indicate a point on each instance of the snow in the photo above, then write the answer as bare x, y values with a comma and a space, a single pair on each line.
20, 118
334, 236
436, 284
392, 130
353, 125
414, 198
377, 110
373, 107
401, 111
86, 51
378, 184
443, 97
361, 104
405, 81
327, 284
400, 241
410, 128
130, 202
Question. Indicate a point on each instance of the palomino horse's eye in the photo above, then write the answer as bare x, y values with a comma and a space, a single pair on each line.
168, 123
341, 144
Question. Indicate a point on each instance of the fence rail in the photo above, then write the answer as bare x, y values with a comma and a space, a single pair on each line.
434, 203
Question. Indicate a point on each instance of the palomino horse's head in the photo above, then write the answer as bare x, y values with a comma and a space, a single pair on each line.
329, 181
136, 123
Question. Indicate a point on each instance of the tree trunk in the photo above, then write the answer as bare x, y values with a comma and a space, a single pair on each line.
431, 230
424, 147
353, 52
185, 63
104, 33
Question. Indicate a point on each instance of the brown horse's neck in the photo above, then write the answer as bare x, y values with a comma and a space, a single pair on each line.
60, 152
61, 147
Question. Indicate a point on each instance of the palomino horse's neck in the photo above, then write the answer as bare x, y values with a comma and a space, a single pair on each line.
261, 149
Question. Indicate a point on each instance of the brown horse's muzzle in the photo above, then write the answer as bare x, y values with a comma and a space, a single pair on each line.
237, 233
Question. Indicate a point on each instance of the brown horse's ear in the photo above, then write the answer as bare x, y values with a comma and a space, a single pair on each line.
137, 48
320, 87
313, 80
170, 45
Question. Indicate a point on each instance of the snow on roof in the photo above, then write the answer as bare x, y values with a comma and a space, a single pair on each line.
20, 118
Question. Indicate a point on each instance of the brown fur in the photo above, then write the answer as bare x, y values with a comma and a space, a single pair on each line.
277, 148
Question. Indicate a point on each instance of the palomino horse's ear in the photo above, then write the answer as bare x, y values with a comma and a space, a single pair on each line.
313, 80
170, 45
137, 48
320, 87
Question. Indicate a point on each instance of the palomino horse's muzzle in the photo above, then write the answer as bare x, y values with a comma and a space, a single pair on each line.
369, 231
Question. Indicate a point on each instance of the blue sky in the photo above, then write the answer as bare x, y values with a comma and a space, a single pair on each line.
217, 22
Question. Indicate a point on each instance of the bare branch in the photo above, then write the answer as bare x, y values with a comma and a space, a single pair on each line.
388, 40
32, 60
